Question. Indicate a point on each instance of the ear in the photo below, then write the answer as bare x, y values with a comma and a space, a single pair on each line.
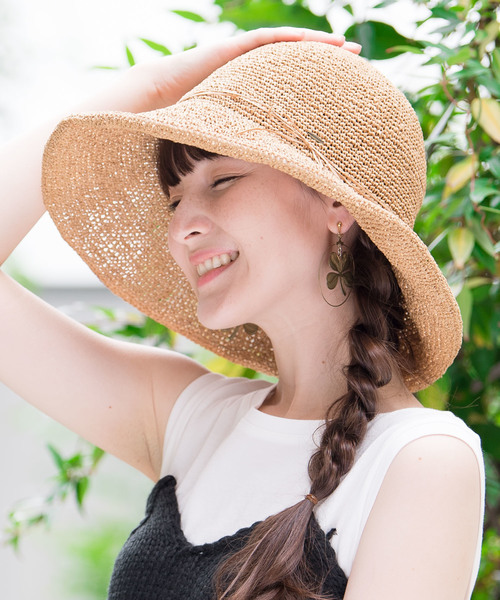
336, 213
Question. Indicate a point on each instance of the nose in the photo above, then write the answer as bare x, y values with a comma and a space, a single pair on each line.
190, 220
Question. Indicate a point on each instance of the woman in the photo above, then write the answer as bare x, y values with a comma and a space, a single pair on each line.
286, 184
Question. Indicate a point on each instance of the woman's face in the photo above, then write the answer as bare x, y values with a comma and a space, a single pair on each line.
249, 239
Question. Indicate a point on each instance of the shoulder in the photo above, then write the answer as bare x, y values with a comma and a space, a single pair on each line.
209, 407
440, 464
428, 512
212, 393
388, 433
401, 433
433, 451
403, 450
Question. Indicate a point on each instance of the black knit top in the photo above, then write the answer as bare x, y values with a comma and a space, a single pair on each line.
158, 563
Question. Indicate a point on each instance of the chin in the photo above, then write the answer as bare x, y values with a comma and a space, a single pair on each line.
216, 322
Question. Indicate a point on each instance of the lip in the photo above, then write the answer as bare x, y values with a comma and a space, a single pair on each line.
212, 274
202, 255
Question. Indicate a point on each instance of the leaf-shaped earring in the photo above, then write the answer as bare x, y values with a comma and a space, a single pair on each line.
248, 328
342, 269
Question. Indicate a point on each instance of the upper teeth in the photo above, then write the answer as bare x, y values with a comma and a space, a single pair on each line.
216, 261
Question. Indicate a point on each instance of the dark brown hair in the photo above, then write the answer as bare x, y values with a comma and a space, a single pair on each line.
176, 160
273, 564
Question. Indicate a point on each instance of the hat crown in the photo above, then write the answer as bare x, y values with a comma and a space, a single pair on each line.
336, 109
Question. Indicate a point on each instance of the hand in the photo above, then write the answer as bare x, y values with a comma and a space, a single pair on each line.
162, 82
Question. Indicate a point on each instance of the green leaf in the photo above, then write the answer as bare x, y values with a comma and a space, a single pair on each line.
130, 56
461, 56
485, 259
348, 9
459, 174
486, 111
58, 459
402, 49
482, 238
385, 3
14, 542
251, 14
97, 455
437, 45
474, 282
438, 239
461, 244
483, 361
482, 190
81, 487
379, 40
109, 313
186, 14
494, 165
75, 461
495, 63
157, 47
473, 68
464, 300
440, 12
445, 29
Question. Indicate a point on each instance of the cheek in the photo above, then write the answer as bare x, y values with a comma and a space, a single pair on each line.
171, 245
178, 254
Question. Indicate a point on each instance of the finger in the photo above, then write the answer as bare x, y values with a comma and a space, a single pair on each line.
269, 35
292, 34
352, 47
233, 47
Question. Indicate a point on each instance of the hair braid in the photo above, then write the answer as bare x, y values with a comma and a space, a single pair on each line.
374, 345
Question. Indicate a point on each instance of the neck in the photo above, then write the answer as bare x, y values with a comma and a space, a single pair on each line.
311, 351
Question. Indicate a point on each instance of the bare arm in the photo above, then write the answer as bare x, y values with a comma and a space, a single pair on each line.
117, 395
421, 535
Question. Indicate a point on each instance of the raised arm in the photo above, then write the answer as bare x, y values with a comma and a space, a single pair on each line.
116, 395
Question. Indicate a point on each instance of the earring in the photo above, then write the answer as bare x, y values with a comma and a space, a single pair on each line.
248, 328
342, 269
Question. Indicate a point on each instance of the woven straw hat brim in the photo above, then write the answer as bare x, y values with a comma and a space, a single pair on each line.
101, 188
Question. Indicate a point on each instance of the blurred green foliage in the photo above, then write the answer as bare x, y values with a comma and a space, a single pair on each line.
73, 476
94, 551
459, 110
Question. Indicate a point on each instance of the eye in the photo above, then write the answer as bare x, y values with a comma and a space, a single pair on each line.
173, 205
222, 180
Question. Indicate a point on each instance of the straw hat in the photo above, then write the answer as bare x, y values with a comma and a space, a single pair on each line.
312, 110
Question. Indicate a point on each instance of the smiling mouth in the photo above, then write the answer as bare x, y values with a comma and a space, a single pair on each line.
215, 262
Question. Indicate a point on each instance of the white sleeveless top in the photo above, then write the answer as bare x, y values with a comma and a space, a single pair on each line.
235, 465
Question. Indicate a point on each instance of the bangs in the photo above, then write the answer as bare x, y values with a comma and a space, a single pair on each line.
176, 160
